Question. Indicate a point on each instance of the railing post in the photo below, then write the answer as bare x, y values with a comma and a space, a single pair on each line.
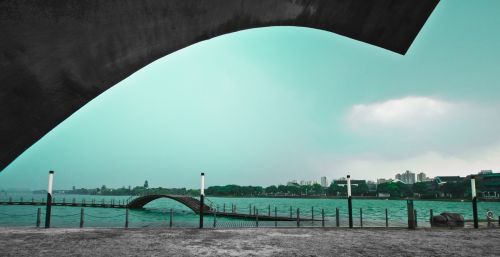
215, 217
48, 207
126, 218
38, 213
323, 217
312, 215
386, 218
171, 221
474, 201
411, 214
298, 217
349, 200
291, 212
81, 218
257, 218
269, 210
430, 217
337, 218
276, 217
249, 209
224, 208
415, 216
202, 198
361, 217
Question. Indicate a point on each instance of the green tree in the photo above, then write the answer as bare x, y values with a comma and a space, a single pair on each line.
316, 189
360, 190
282, 189
420, 188
335, 190
454, 189
271, 189
389, 188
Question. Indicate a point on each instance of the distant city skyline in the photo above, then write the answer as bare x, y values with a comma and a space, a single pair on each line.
324, 181
262, 106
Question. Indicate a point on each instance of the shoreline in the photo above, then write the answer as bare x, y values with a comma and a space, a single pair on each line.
324, 197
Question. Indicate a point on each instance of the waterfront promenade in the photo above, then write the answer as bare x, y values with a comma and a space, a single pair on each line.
249, 242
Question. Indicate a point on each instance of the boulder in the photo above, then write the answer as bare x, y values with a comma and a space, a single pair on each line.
447, 219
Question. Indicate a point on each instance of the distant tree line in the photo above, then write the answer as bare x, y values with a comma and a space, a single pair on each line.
428, 189
273, 190
137, 190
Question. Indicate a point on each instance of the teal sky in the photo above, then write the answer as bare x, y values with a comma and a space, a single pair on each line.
266, 106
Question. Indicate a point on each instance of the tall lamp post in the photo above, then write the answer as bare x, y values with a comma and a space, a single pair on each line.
48, 208
202, 198
474, 200
349, 199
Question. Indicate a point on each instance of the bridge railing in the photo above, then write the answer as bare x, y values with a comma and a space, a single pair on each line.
145, 193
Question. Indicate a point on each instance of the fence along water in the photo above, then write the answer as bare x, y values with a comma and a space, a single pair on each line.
84, 217
303, 217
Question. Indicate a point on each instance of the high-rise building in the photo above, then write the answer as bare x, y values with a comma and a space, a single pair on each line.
382, 180
421, 177
324, 182
307, 182
406, 177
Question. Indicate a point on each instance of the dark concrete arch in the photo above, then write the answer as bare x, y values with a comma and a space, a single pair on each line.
57, 55
188, 201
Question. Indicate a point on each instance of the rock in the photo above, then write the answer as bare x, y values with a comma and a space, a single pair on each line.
447, 219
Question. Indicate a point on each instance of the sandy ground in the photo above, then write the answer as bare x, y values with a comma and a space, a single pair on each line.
249, 242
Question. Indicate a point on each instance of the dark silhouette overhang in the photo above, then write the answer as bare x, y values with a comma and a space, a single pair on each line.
57, 55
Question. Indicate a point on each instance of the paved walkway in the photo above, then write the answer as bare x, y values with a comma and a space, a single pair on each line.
249, 242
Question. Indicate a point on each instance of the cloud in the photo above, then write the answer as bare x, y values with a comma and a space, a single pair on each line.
403, 112
372, 166
416, 125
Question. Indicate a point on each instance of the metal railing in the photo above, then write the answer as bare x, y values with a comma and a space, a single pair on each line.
315, 216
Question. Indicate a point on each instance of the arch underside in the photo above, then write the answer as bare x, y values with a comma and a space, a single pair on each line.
57, 55
188, 201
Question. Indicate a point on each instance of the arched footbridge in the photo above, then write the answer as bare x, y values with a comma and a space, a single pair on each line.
190, 202
194, 204
138, 202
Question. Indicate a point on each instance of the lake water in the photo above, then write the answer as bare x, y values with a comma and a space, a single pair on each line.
157, 213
